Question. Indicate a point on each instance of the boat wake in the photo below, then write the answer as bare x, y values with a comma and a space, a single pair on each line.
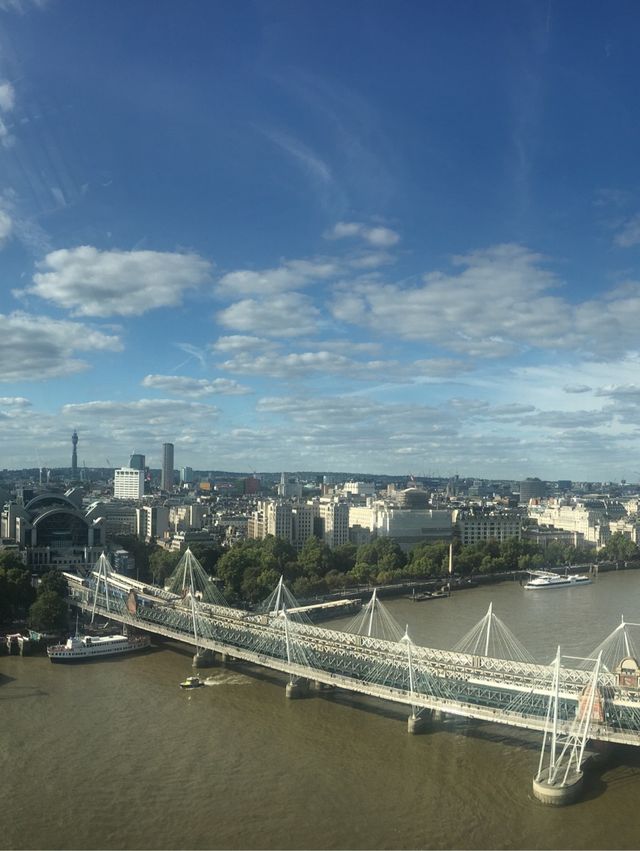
227, 680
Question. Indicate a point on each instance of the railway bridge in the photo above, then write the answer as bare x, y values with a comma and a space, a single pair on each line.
570, 701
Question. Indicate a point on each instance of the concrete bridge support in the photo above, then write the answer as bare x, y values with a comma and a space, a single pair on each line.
418, 722
296, 689
557, 794
204, 659
319, 687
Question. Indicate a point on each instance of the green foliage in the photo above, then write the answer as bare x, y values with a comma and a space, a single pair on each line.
53, 581
16, 591
251, 569
207, 555
619, 548
48, 613
162, 563
141, 551
10, 559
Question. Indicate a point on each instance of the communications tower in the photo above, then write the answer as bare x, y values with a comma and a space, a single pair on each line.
74, 455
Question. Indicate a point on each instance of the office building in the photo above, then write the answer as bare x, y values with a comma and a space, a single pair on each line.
166, 482
128, 483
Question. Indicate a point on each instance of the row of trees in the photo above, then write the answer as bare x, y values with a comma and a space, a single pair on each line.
44, 609
251, 569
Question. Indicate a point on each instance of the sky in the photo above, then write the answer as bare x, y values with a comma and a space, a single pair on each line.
384, 237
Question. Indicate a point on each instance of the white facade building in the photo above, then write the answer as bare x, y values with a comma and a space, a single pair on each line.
128, 483
488, 527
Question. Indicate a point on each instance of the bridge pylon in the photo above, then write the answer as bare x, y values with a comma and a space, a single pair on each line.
559, 778
417, 721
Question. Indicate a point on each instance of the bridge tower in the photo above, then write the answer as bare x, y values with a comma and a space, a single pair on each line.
559, 778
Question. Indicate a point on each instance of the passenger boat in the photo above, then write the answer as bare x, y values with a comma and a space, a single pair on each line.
544, 579
80, 648
192, 682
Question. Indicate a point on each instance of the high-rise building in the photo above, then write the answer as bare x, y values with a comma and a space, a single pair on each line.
128, 483
74, 455
136, 462
166, 482
532, 489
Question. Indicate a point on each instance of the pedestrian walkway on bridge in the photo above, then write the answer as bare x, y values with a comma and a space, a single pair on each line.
488, 676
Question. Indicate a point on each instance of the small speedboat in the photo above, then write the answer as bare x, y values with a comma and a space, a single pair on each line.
191, 682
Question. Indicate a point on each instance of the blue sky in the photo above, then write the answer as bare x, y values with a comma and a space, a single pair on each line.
369, 236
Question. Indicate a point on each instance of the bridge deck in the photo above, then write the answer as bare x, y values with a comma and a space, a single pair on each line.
479, 687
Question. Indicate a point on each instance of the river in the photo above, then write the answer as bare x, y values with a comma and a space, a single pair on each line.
113, 754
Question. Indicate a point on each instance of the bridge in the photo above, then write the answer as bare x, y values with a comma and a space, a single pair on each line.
489, 676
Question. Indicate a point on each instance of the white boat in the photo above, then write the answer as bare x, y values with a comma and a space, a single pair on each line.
82, 647
544, 579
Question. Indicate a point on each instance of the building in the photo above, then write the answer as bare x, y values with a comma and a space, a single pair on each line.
128, 483
137, 461
302, 524
473, 528
53, 532
334, 522
119, 517
408, 526
166, 481
186, 476
532, 489
590, 525
289, 487
359, 488
153, 522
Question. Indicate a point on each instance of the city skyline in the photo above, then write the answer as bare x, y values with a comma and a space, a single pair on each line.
296, 236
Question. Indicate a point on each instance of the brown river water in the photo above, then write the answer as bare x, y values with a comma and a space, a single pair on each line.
112, 754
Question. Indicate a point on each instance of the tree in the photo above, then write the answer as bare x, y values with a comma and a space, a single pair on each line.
53, 581
314, 559
344, 557
162, 564
18, 591
49, 613
207, 555
9, 560
233, 564
618, 548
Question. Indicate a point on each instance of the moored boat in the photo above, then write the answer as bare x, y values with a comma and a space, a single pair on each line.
544, 579
80, 648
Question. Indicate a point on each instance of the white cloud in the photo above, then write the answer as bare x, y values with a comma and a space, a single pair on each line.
6, 226
290, 315
291, 275
14, 402
6, 139
303, 155
379, 237
21, 6
630, 233
91, 282
240, 343
576, 388
496, 305
7, 96
37, 347
180, 385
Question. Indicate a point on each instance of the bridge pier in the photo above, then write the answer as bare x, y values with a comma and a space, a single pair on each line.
296, 689
203, 659
317, 686
418, 723
557, 794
